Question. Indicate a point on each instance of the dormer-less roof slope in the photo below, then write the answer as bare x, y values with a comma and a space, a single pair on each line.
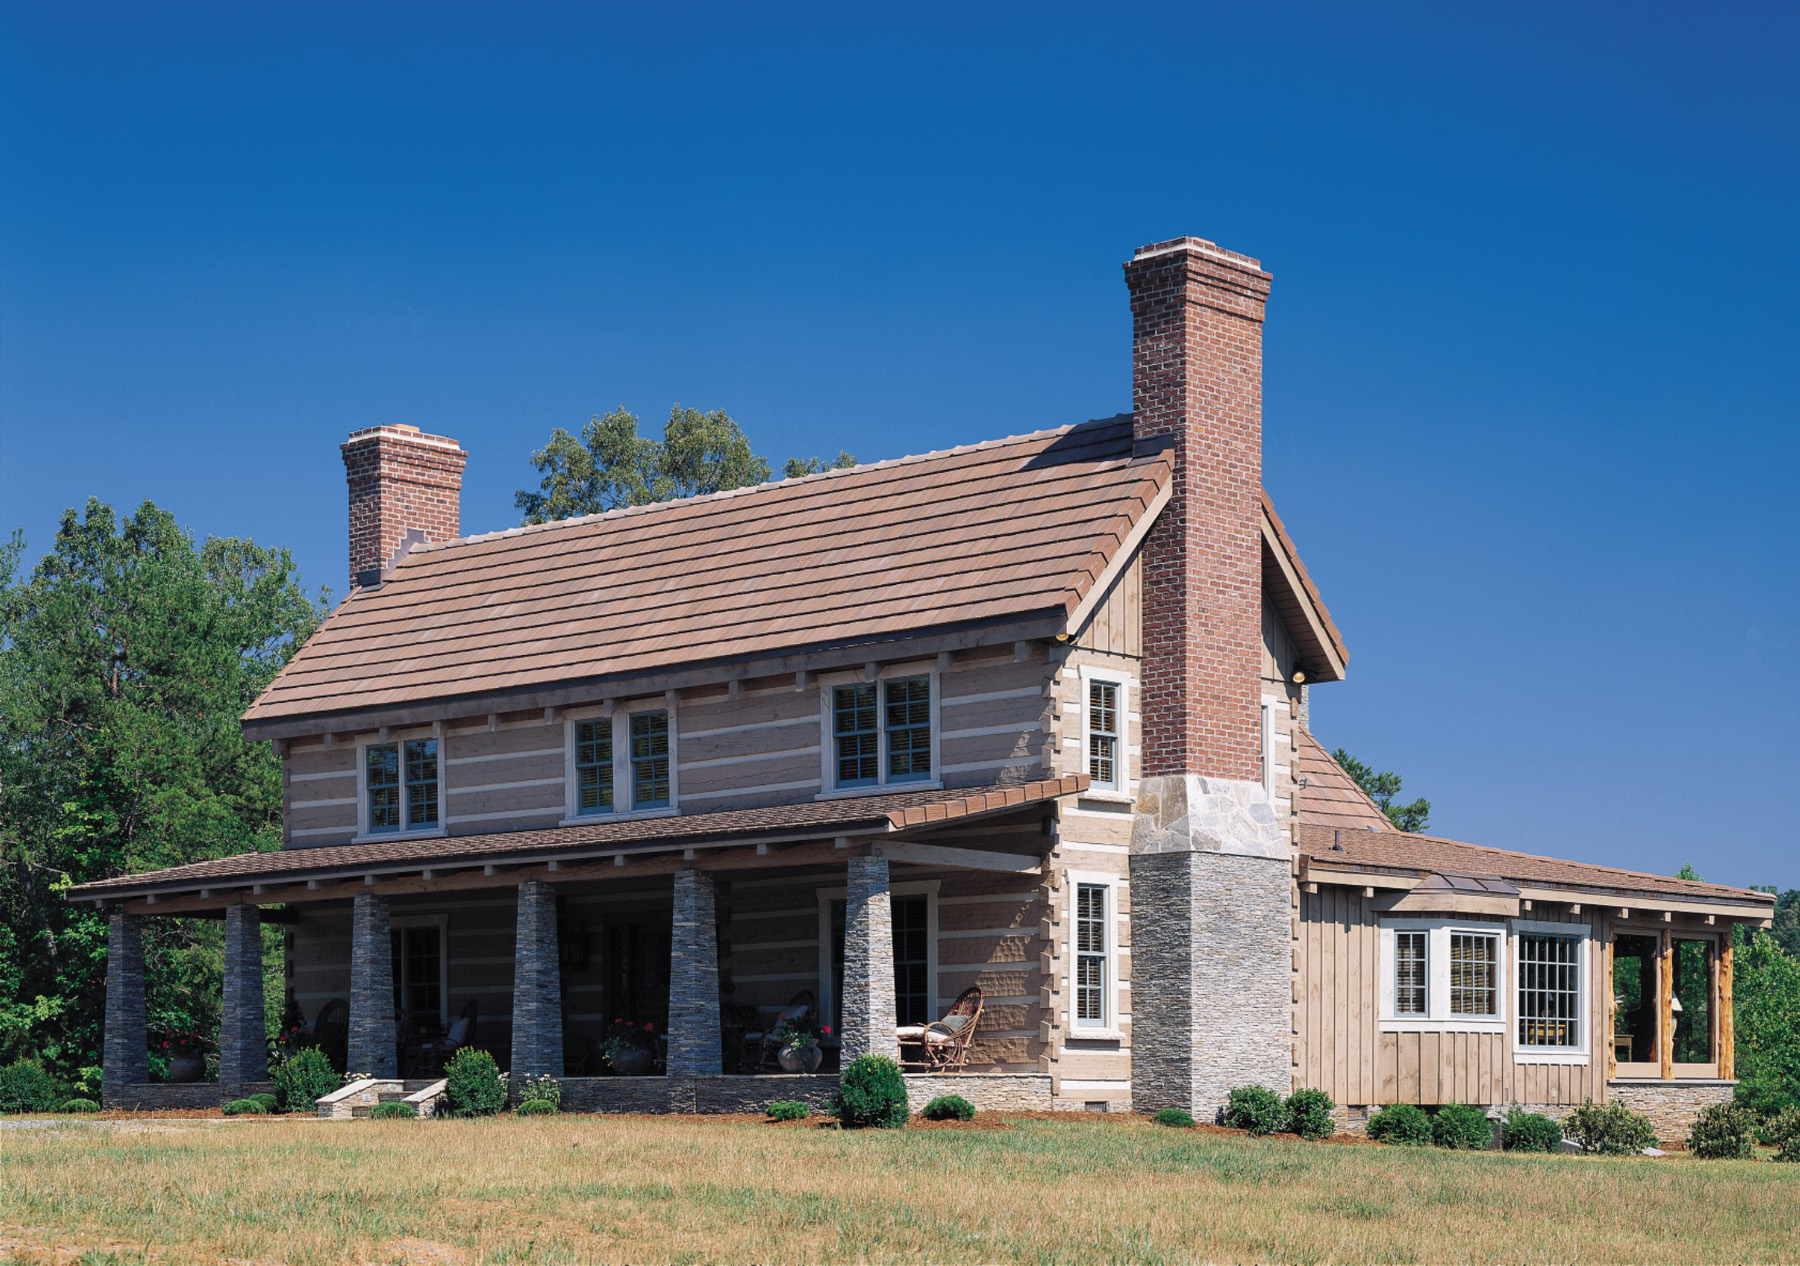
992, 533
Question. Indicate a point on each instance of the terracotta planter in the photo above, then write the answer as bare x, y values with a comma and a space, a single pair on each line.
187, 1068
632, 1063
800, 1059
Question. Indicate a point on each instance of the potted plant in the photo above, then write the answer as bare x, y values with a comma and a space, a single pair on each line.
797, 1045
186, 1053
629, 1048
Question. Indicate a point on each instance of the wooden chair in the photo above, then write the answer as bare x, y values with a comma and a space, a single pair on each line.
331, 1032
943, 1044
461, 1032
798, 1008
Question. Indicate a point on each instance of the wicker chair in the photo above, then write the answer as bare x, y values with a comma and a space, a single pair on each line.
943, 1045
331, 1032
763, 1040
461, 1032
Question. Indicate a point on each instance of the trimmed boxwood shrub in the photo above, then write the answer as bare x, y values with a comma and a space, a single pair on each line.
1767, 1097
302, 1079
245, 1108
1309, 1114
1785, 1135
25, 1086
1612, 1130
788, 1110
268, 1101
401, 1111
1723, 1131
79, 1105
1524, 1131
1256, 1109
536, 1108
949, 1108
473, 1085
1402, 1123
1461, 1127
871, 1092
1175, 1118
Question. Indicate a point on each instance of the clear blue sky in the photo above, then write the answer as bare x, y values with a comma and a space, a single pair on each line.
1532, 368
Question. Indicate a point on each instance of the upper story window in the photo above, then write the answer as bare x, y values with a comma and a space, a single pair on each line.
400, 786
1103, 735
1442, 975
623, 763
594, 765
649, 760
882, 732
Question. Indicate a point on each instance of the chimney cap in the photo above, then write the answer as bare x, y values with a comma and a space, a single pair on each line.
1195, 246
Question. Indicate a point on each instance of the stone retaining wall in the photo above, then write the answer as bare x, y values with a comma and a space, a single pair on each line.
165, 1096
706, 1095
1671, 1105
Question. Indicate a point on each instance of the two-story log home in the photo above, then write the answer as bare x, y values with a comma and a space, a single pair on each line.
1028, 716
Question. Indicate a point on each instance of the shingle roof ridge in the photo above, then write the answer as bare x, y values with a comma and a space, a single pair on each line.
770, 485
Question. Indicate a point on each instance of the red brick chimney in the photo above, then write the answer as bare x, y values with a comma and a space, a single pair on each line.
401, 481
1196, 322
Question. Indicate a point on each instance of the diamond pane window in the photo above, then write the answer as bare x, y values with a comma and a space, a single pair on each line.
649, 759
855, 736
1410, 980
1474, 963
908, 705
594, 766
1549, 991
1103, 734
1090, 955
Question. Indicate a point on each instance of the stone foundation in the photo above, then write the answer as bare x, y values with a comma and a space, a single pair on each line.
166, 1096
712, 1095
1671, 1105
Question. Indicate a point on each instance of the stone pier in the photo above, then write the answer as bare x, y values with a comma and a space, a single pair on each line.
126, 1061
866, 1011
371, 1039
694, 1033
537, 1022
243, 1032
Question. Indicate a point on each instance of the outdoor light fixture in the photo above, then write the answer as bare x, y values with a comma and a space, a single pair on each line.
1299, 677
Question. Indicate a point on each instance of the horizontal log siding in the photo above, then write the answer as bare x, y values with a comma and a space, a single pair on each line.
1340, 1050
1095, 842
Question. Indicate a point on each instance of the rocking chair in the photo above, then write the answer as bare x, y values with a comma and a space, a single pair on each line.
798, 1008
944, 1044
461, 1032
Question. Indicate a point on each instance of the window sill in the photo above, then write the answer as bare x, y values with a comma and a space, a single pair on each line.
1442, 1026
1106, 795
879, 789
1536, 1055
379, 837
1092, 1035
633, 815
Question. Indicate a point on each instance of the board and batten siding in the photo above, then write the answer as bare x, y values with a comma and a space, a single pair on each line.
1340, 1049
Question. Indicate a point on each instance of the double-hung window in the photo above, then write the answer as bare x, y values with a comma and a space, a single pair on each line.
1105, 754
1412, 986
594, 766
623, 763
1549, 970
1442, 975
400, 786
649, 760
881, 732
1091, 949
1474, 974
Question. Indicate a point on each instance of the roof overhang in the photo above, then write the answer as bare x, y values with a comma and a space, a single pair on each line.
1289, 589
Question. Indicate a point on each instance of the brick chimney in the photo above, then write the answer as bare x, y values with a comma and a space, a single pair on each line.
402, 482
1196, 321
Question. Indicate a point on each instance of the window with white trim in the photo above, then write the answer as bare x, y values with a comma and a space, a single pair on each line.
1442, 974
1092, 945
400, 786
1474, 974
623, 763
1104, 750
1412, 986
1266, 736
881, 732
1549, 1005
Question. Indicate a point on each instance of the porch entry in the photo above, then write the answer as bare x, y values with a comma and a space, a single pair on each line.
1667, 1004
913, 961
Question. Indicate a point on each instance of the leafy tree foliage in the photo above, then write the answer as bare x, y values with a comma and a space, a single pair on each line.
1383, 789
1766, 1012
126, 658
610, 465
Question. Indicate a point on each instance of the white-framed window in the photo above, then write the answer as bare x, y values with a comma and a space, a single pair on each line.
1550, 963
1106, 732
1093, 986
1266, 730
621, 764
879, 733
1461, 966
913, 909
400, 788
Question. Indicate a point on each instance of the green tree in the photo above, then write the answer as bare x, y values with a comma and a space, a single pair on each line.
126, 658
1785, 926
1383, 788
610, 465
799, 468
1766, 1009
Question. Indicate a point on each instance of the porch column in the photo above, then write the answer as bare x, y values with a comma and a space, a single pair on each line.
866, 1010
694, 979
370, 1047
537, 1022
126, 1059
243, 1040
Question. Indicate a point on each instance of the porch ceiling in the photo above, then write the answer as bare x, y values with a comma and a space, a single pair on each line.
312, 868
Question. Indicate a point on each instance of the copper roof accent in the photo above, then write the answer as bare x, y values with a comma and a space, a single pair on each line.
1331, 797
893, 811
1427, 855
1290, 589
989, 533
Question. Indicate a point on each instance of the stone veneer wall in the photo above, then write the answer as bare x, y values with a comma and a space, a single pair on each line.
537, 1019
126, 1060
1671, 1105
711, 1095
243, 1037
166, 1096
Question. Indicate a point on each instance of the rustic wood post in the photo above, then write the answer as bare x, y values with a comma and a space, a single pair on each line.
1727, 1044
1612, 1012
1666, 996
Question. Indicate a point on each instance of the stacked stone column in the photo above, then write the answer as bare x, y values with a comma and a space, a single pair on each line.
537, 1022
866, 1010
127, 1059
371, 1038
243, 1043
694, 1039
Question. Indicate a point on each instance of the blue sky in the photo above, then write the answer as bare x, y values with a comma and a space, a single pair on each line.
1532, 389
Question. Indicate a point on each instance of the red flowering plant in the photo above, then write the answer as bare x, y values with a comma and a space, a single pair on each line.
178, 1044
627, 1035
800, 1032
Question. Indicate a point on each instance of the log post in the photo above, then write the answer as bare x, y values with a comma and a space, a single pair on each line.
1665, 988
1727, 1044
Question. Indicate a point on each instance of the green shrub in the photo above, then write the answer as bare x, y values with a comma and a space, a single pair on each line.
303, 1079
871, 1092
1461, 1127
268, 1101
1402, 1123
544, 1087
1256, 1109
535, 1108
1723, 1131
1175, 1118
949, 1108
1767, 1098
788, 1110
1613, 1130
79, 1105
25, 1086
1785, 1136
401, 1111
1309, 1114
1524, 1131
473, 1085
245, 1108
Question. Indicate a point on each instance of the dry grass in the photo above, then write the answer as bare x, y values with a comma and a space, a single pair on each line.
580, 1189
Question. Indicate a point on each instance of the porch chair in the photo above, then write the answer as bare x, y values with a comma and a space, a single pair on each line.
798, 1008
943, 1044
331, 1033
460, 1033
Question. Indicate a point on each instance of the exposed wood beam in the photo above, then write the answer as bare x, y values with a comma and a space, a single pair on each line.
962, 858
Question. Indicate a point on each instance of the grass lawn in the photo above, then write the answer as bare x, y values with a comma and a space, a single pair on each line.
588, 1188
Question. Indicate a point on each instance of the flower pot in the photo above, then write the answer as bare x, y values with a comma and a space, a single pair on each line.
186, 1068
632, 1063
800, 1059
